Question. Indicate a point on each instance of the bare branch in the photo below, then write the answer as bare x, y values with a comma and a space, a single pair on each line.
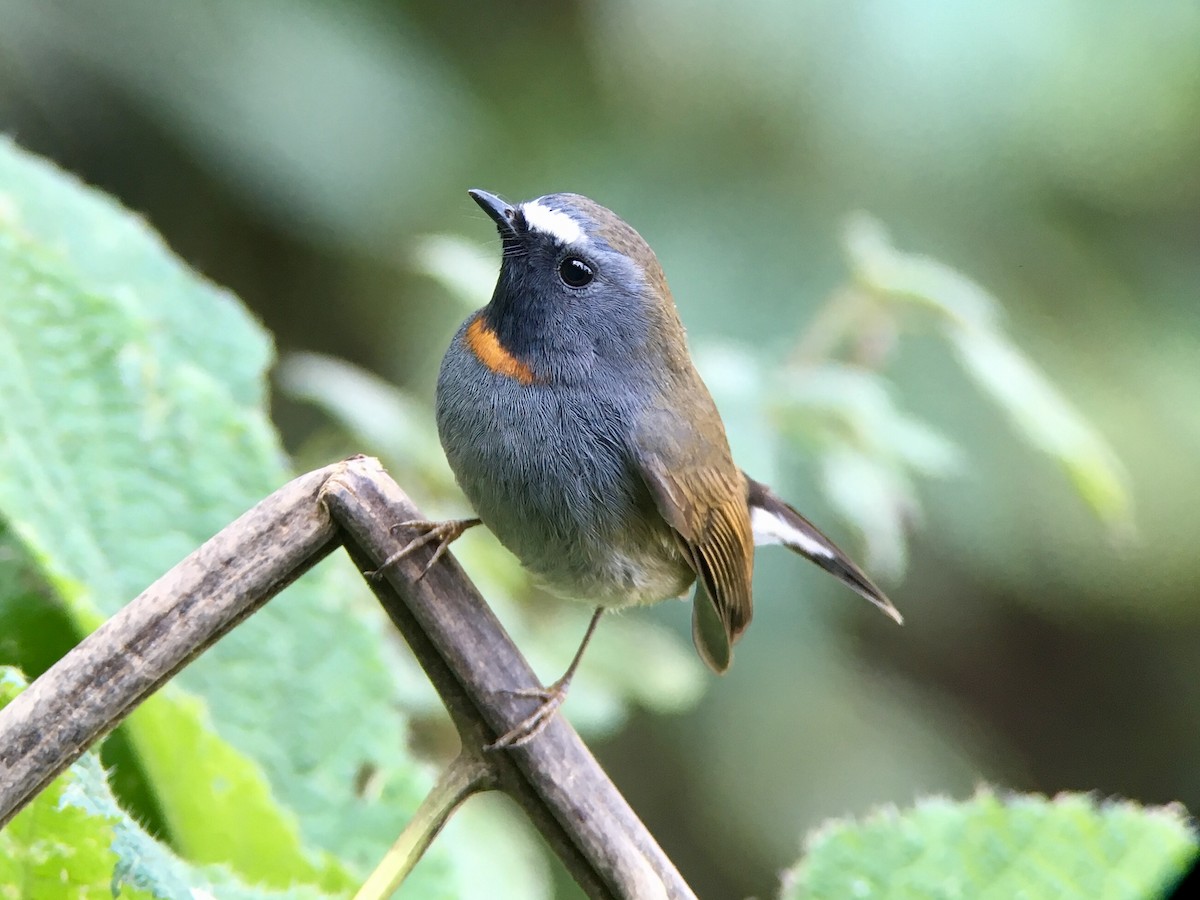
459, 642
555, 779
89, 691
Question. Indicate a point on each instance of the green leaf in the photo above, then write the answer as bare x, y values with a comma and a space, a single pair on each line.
134, 428
742, 385
971, 320
1044, 417
378, 414
834, 404
868, 451
874, 497
991, 846
910, 278
55, 847
34, 630
465, 269
72, 840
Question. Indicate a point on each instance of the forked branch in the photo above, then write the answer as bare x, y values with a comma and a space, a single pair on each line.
471, 661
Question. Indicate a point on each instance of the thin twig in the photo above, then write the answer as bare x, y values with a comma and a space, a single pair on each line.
468, 774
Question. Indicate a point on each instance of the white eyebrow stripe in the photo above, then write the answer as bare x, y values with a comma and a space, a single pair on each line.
552, 222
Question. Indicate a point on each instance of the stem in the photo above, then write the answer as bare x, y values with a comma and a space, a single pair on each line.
466, 775
832, 326
853, 322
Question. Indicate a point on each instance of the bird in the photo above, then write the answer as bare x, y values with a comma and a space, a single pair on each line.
578, 427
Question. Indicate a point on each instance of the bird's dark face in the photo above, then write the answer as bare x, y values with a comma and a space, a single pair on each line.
579, 290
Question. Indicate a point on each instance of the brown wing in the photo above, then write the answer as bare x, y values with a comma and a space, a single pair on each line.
706, 506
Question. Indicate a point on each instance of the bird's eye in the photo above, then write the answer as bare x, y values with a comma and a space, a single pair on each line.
575, 272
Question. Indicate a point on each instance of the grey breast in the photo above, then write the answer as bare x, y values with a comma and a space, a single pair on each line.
548, 471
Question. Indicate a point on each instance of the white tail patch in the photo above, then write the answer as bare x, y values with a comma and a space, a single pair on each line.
769, 528
549, 221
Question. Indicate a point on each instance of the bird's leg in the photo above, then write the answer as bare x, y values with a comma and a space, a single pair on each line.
445, 533
552, 698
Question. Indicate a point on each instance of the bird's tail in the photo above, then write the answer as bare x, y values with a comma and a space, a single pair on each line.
775, 522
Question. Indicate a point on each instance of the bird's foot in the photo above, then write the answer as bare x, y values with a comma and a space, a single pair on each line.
445, 533
535, 723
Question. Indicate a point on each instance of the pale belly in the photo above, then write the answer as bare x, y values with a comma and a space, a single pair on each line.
623, 576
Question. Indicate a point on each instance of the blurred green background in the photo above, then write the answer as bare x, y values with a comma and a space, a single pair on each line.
298, 153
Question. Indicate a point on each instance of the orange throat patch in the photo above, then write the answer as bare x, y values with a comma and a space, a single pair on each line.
482, 341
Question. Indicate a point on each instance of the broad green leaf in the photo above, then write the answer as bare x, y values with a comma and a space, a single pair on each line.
54, 847
998, 847
34, 631
133, 429
73, 840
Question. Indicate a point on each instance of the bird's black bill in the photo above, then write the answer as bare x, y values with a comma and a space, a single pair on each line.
500, 212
